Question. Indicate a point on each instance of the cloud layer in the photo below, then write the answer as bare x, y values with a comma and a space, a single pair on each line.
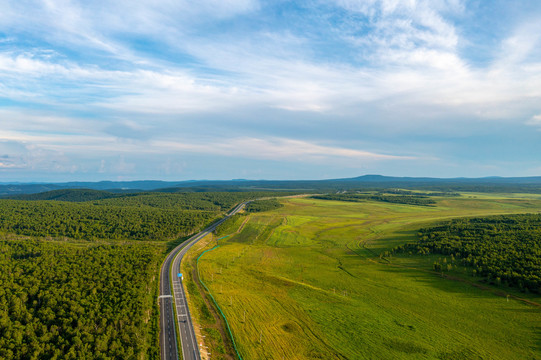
396, 87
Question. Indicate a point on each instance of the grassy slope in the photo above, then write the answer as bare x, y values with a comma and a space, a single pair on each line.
311, 289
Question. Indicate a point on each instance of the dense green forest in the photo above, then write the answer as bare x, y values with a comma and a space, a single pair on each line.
139, 216
209, 201
503, 249
417, 192
396, 199
90, 221
62, 300
263, 205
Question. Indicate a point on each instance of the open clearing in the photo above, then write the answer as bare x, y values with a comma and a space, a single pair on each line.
305, 282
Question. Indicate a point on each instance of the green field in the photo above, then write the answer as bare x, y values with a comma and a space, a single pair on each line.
306, 282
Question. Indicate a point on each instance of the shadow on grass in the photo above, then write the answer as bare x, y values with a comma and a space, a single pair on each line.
390, 241
449, 280
435, 280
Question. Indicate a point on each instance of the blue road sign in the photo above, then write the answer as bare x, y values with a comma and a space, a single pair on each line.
179, 275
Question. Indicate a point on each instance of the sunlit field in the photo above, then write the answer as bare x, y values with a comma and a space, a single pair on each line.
306, 282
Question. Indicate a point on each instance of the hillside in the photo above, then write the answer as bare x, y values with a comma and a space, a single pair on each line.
365, 182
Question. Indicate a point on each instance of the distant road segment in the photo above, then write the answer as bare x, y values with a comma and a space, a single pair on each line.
182, 322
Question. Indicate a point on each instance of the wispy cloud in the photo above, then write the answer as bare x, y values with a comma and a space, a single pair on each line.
411, 48
535, 121
79, 77
279, 149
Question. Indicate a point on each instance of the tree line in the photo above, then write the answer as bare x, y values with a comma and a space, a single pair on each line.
263, 205
396, 199
502, 249
89, 221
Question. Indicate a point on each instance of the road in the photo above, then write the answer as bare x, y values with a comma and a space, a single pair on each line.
169, 325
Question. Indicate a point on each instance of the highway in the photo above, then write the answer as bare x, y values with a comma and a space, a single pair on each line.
169, 325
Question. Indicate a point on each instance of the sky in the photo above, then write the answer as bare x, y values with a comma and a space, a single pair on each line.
229, 89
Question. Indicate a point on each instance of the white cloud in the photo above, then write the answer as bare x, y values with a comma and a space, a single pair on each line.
6, 165
39, 122
91, 24
535, 120
9, 161
518, 48
15, 154
277, 149
404, 25
119, 76
413, 56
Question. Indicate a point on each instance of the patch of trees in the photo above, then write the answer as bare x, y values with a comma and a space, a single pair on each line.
502, 249
396, 199
208, 201
91, 221
263, 205
418, 193
62, 300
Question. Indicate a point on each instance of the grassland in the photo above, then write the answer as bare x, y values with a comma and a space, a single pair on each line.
305, 282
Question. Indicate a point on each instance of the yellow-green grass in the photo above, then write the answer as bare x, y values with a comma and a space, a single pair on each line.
304, 282
207, 329
502, 195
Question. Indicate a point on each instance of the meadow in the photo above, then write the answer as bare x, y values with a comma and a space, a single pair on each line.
306, 281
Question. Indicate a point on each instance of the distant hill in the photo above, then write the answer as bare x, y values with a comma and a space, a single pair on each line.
143, 185
74, 195
110, 186
460, 180
485, 184
365, 182
13, 189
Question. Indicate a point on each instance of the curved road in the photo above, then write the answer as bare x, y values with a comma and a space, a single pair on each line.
169, 325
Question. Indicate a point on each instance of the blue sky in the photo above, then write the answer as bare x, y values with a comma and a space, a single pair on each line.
221, 89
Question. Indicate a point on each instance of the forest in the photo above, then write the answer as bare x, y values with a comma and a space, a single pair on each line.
263, 205
78, 300
138, 216
89, 221
208, 201
187, 200
503, 249
395, 199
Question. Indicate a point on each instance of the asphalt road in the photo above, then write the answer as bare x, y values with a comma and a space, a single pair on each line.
169, 325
